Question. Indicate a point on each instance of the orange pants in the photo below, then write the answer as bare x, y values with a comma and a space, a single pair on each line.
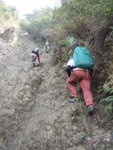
83, 77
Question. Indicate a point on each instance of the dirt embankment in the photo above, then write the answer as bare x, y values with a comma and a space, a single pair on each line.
29, 99
34, 112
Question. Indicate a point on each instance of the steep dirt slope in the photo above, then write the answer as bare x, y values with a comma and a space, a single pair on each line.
34, 113
29, 100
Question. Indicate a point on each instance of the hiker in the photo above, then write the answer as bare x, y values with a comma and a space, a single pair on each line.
70, 66
82, 74
46, 47
35, 56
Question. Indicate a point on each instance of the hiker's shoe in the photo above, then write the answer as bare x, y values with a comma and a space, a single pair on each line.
73, 100
32, 66
91, 109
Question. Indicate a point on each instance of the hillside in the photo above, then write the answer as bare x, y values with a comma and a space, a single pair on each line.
35, 112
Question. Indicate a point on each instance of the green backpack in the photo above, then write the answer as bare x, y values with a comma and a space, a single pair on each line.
82, 58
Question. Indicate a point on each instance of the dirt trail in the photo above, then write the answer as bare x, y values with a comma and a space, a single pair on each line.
46, 103
34, 115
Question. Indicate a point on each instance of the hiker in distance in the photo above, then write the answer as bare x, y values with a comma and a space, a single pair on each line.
79, 69
35, 56
46, 47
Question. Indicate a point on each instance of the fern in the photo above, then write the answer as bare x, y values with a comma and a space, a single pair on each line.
107, 91
108, 99
109, 107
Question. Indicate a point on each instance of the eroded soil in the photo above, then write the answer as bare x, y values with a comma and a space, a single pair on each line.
34, 113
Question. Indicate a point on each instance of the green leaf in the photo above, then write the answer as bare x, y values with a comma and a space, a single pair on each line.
107, 99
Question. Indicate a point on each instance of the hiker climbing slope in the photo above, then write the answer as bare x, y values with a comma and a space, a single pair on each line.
81, 65
35, 56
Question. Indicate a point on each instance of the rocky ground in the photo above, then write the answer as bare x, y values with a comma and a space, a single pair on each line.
35, 114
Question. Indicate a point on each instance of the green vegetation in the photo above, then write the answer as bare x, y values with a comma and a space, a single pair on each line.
8, 15
38, 24
87, 20
108, 99
79, 18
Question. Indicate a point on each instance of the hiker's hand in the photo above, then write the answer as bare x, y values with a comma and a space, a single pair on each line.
68, 80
